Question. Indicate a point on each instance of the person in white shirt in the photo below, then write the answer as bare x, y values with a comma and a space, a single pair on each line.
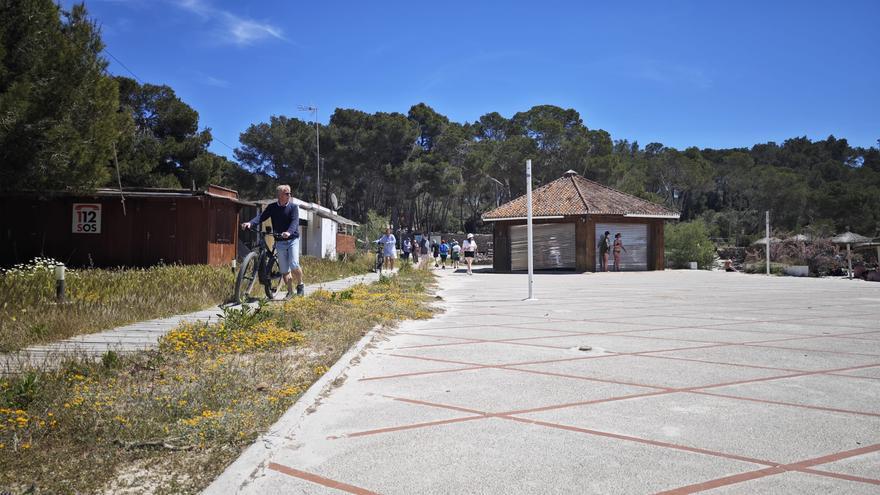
456, 254
470, 250
389, 246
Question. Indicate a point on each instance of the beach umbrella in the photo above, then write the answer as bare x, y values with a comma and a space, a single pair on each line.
849, 238
800, 238
763, 241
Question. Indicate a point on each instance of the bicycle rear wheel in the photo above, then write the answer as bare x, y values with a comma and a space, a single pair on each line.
272, 279
246, 278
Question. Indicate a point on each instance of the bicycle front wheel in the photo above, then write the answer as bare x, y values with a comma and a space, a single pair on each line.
272, 279
246, 278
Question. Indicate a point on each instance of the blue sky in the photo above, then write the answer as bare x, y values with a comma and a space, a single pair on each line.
709, 74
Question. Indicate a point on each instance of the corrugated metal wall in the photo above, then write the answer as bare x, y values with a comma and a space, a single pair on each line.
554, 246
635, 240
187, 230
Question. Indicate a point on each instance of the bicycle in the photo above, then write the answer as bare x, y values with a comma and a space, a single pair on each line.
380, 258
261, 265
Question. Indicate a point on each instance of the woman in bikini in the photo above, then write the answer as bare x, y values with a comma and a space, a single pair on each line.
618, 246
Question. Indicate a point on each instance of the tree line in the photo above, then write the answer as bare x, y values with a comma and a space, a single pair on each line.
66, 123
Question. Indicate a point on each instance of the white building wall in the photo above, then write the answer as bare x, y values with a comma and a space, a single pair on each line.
328, 238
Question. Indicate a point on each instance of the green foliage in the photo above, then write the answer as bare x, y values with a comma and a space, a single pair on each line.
59, 109
110, 360
242, 316
688, 241
761, 267
373, 228
23, 389
421, 170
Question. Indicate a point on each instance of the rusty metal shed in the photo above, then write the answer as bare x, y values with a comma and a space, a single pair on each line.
99, 229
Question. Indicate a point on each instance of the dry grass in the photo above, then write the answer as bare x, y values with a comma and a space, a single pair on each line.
170, 420
99, 299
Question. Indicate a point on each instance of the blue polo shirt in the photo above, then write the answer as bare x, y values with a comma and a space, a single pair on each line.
284, 218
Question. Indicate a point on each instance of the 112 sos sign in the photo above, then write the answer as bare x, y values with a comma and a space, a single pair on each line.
86, 218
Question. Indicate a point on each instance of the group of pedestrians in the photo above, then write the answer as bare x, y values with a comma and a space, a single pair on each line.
422, 250
615, 247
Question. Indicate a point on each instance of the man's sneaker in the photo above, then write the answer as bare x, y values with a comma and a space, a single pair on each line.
287, 296
300, 290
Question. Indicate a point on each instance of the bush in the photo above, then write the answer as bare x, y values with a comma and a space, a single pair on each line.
761, 267
689, 241
373, 228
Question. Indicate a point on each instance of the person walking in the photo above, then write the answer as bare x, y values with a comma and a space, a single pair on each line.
285, 220
456, 254
435, 250
424, 250
406, 248
389, 243
444, 253
415, 251
618, 246
470, 251
604, 248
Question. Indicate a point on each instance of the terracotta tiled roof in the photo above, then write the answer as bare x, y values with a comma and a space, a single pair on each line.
572, 194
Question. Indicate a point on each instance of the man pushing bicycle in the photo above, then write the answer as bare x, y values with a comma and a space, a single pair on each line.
285, 220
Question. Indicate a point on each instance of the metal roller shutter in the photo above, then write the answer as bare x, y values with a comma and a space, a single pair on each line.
554, 246
635, 240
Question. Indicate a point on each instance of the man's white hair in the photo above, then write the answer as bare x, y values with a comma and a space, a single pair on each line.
283, 188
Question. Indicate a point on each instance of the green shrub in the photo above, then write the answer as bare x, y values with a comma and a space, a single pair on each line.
761, 267
689, 241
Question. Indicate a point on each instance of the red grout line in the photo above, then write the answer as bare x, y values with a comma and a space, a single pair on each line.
842, 476
662, 391
435, 404
854, 376
780, 403
646, 441
573, 334
802, 466
719, 482
587, 378
586, 402
419, 373
413, 426
706, 361
774, 468
793, 375
847, 353
319, 480
837, 456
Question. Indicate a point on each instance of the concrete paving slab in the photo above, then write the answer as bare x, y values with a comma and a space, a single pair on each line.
837, 392
801, 483
655, 372
497, 390
394, 365
589, 326
864, 372
499, 456
615, 343
494, 332
768, 432
866, 466
808, 360
716, 334
412, 420
490, 353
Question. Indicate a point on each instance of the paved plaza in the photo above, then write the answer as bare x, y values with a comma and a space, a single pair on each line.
656, 382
